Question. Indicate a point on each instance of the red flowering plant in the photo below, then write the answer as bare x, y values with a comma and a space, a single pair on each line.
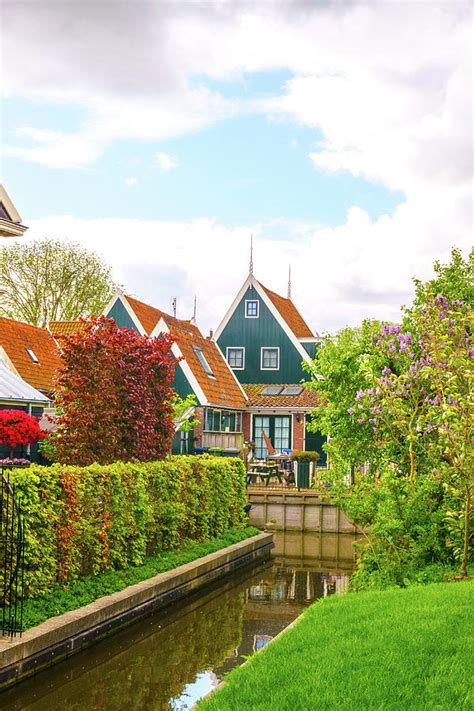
18, 428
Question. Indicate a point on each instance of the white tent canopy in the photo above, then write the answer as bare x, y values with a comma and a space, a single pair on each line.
15, 390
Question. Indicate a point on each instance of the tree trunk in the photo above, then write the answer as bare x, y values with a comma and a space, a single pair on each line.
467, 531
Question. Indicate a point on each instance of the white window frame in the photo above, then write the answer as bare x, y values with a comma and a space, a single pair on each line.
235, 348
252, 301
268, 348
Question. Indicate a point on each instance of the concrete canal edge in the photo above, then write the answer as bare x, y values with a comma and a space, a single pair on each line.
64, 635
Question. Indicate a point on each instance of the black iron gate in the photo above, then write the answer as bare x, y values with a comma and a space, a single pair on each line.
12, 546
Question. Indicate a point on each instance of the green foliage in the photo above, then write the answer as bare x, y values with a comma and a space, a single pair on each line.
338, 371
454, 280
87, 589
403, 650
397, 403
304, 456
183, 412
84, 520
49, 280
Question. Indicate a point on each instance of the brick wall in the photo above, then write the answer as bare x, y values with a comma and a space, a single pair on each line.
298, 432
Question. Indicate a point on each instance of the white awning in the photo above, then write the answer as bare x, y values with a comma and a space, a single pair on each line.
15, 390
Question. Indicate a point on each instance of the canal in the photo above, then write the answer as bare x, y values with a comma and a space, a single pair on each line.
172, 658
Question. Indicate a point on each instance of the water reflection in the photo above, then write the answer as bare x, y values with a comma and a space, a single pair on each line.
172, 658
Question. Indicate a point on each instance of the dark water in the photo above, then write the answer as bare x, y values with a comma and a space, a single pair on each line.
172, 658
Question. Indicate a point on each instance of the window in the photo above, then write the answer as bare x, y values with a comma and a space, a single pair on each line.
292, 390
203, 361
270, 359
272, 390
32, 356
222, 421
236, 358
251, 309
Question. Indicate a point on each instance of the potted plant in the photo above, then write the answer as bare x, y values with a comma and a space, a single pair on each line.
305, 462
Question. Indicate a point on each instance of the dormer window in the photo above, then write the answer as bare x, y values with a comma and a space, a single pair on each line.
32, 356
251, 308
202, 360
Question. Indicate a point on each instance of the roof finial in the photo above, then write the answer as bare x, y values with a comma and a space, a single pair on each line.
251, 256
289, 282
193, 320
174, 304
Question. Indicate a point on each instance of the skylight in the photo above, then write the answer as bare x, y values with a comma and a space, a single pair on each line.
202, 360
292, 390
32, 355
272, 390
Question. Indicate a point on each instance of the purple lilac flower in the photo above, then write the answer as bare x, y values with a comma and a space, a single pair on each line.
351, 411
359, 394
386, 371
360, 421
429, 427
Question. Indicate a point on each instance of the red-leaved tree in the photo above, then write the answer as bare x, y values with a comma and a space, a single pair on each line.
18, 427
114, 395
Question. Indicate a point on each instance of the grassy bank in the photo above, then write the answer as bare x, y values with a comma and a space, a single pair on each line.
88, 589
396, 649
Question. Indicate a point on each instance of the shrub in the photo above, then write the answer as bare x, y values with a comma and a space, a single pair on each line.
304, 456
82, 520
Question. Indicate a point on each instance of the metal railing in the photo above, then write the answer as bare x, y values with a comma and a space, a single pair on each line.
12, 558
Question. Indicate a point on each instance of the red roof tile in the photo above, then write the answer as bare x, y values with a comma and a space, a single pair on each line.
17, 338
65, 328
147, 315
289, 313
307, 399
221, 390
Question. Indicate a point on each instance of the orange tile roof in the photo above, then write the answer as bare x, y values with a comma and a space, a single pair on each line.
307, 399
16, 338
65, 328
289, 313
222, 390
147, 315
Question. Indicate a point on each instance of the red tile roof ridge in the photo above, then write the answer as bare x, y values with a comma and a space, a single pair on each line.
289, 313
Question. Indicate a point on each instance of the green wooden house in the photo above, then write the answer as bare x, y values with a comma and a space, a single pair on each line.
201, 370
265, 340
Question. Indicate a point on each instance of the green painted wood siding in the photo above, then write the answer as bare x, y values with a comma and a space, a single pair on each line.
255, 333
120, 315
181, 384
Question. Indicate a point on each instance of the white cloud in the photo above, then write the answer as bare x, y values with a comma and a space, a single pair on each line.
131, 182
166, 162
341, 275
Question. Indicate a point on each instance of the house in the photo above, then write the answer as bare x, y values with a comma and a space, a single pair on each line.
28, 360
201, 371
265, 340
10, 220
29, 352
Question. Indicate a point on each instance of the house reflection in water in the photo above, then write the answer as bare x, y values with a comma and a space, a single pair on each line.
301, 586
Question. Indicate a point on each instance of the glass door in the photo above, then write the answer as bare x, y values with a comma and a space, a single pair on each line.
277, 428
260, 424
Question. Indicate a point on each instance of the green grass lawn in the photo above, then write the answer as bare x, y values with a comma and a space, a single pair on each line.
88, 589
396, 649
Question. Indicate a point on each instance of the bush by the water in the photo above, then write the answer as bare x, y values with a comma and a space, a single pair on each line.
83, 520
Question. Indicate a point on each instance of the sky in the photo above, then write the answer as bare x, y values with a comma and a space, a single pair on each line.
163, 134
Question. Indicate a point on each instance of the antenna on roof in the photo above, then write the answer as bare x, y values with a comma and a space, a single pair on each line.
193, 320
251, 256
173, 304
289, 282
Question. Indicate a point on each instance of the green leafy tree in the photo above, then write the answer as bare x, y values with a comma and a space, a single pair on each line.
49, 280
454, 280
183, 413
338, 372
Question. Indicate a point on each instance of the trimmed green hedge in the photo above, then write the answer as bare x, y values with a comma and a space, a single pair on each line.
83, 520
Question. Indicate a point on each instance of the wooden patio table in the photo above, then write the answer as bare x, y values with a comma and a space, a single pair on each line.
264, 470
